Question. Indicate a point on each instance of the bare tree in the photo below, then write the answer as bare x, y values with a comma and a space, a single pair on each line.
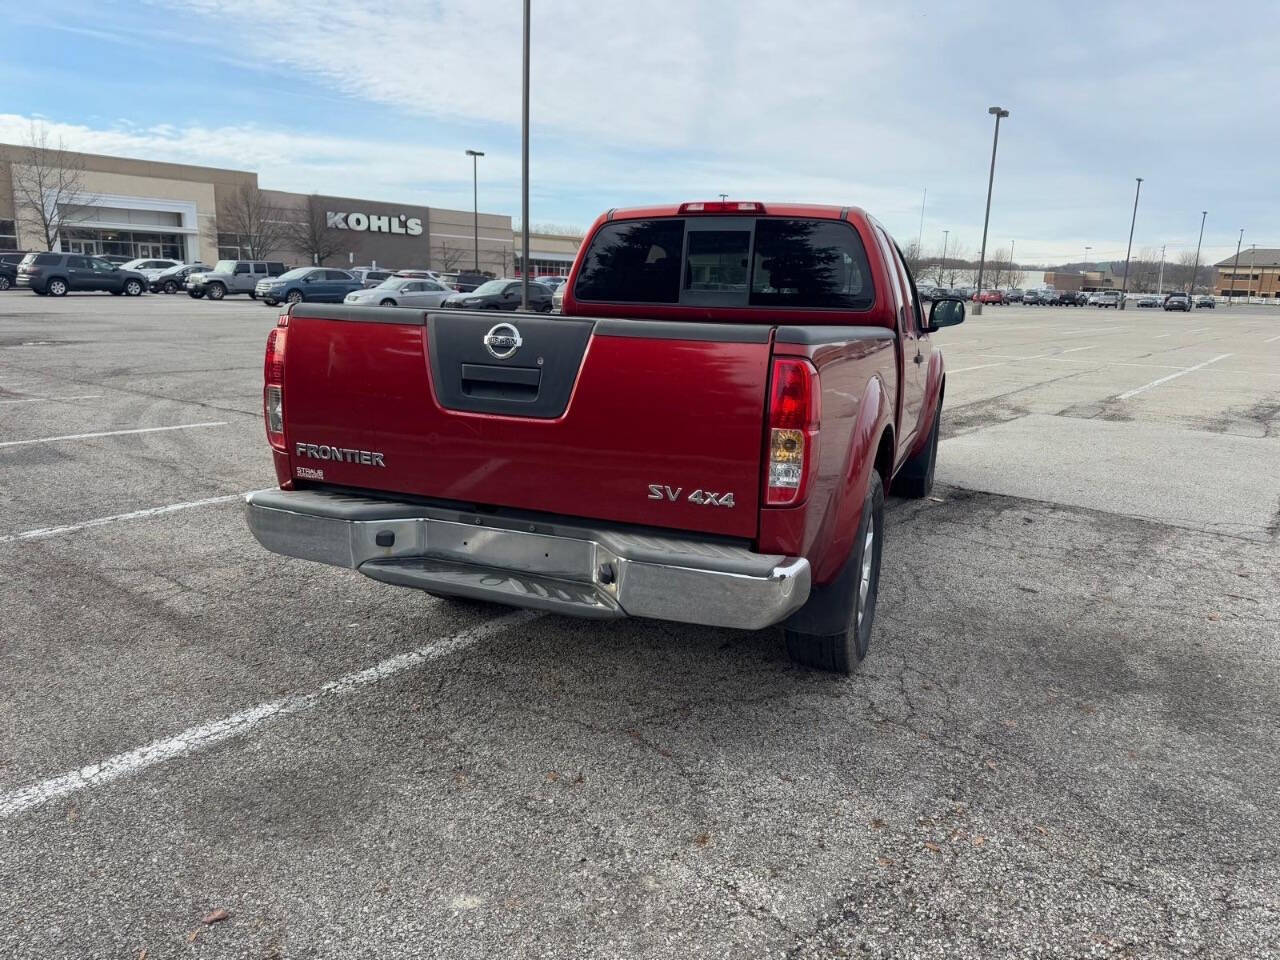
261, 228
311, 234
447, 257
48, 183
1186, 274
957, 265
553, 229
998, 269
911, 255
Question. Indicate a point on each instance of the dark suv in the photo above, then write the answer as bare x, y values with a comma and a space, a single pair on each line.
502, 295
57, 274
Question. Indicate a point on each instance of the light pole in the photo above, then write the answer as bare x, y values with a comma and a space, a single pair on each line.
1235, 268
920, 232
475, 201
1124, 287
1012, 244
524, 170
996, 112
942, 264
1160, 282
1086, 255
1253, 252
1196, 267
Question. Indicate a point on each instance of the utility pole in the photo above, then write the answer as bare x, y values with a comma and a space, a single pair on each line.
1160, 282
920, 232
942, 264
1196, 267
524, 171
1012, 244
996, 112
1124, 287
1253, 251
1235, 268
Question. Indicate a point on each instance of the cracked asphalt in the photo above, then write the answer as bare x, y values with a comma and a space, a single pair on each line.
1063, 742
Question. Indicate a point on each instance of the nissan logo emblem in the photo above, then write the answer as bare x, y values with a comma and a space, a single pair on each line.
502, 341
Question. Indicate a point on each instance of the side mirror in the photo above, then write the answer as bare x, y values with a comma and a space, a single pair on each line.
946, 312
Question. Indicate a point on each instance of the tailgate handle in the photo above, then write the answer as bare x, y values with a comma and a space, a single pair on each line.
517, 384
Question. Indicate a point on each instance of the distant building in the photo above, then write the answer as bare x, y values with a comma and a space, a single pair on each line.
1257, 276
551, 254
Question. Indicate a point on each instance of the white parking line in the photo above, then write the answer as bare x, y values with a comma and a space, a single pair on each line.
114, 433
87, 396
1173, 376
1272, 339
44, 533
1038, 356
208, 734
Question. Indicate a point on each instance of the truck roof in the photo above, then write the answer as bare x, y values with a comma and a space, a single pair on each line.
814, 211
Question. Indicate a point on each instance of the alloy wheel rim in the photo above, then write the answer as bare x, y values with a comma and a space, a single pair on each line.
864, 579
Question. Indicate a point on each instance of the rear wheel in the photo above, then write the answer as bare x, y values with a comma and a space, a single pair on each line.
133, 288
216, 291
57, 287
4, 283
832, 631
293, 296
915, 479
170, 287
386, 302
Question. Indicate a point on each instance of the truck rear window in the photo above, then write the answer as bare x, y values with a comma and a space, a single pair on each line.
765, 262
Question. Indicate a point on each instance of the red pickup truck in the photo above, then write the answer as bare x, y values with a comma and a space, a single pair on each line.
706, 434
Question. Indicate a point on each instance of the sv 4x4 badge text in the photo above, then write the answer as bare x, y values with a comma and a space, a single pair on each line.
659, 491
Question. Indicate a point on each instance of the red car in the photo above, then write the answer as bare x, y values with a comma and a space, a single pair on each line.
707, 434
989, 296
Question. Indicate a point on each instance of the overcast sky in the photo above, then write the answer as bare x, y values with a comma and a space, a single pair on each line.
833, 101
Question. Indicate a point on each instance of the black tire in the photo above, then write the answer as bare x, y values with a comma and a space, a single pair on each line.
386, 302
915, 479
56, 287
170, 287
832, 631
195, 294
270, 303
253, 294
293, 296
4, 283
133, 288
115, 293
216, 291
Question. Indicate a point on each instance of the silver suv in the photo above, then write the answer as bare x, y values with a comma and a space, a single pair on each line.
232, 276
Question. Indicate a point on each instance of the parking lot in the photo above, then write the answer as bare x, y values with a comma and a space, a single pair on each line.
1063, 742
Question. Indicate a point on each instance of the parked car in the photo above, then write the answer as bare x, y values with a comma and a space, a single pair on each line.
311, 284
402, 292
232, 276
989, 296
9, 260
58, 274
714, 507
1108, 298
425, 275
501, 295
1073, 298
150, 268
1147, 300
1032, 298
1178, 301
172, 280
370, 276
557, 298
1013, 295
1209, 302
464, 281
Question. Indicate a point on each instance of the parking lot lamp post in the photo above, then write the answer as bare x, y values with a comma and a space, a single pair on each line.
1124, 287
942, 263
475, 202
998, 113
920, 232
1195, 268
1235, 268
524, 170
1160, 282
1253, 250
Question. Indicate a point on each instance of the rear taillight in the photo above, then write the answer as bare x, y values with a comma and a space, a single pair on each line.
793, 427
273, 388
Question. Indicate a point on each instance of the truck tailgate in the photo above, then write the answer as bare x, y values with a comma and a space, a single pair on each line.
572, 416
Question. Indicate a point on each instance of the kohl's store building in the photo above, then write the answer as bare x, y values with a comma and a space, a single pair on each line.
141, 208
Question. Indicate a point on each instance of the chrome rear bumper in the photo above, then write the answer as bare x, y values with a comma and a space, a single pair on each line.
561, 567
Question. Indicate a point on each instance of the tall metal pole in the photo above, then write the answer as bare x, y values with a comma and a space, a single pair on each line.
475, 201
1235, 268
1160, 282
1124, 287
920, 232
1196, 267
942, 264
1253, 252
1012, 244
997, 112
524, 171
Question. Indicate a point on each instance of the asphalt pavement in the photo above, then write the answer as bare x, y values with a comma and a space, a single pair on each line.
1063, 742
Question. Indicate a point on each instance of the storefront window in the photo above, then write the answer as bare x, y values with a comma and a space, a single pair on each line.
131, 244
8, 235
